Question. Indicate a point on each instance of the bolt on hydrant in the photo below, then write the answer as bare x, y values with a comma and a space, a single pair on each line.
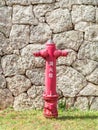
50, 54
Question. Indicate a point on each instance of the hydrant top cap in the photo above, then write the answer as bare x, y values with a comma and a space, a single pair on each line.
50, 42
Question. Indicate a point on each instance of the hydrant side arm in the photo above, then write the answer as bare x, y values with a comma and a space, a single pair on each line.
59, 53
64, 53
36, 54
42, 53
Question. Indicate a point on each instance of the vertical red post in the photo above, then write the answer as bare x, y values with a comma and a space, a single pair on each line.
50, 54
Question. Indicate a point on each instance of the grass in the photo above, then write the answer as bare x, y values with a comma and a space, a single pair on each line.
34, 120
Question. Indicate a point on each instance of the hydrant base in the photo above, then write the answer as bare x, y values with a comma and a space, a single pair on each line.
51, 116
50, 107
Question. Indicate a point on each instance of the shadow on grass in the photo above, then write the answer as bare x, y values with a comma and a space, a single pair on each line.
77, 117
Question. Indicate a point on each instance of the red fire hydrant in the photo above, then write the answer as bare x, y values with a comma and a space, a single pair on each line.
50, 54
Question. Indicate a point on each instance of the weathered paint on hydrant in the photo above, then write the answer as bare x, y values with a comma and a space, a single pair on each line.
50, 54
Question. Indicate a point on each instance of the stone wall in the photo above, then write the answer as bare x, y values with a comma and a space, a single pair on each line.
25, 26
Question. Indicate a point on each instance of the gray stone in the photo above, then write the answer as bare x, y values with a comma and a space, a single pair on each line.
88, 2
5, 46
89, 90
93, 77
38, 102
35, 93
24, 15
41, 19
70, 103
97, 15
1, 71
41, 9
27, 60
83, 13
91, 33
9, 48
70, 81
23, 64
6, 98
88, 50
2, 2
94, 105
80, 26
71, 39
67, 3
14, 2
85, 66
59, 20
19, 35
42, 1
40, 33
0, 51
2, 41
90, 100
36, 76
18, 84
76, 14
2, 82
88, 13
56, 5
5, 20
22, 102
60, 94
71, 57
82, 103
9, 64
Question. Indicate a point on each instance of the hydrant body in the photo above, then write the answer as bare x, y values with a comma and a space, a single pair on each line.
50, 54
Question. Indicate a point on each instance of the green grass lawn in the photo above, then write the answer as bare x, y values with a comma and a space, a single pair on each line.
34, 120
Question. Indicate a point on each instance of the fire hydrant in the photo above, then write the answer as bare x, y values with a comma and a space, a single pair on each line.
50, 54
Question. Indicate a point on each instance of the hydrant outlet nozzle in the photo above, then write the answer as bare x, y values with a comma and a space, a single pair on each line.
59, 53
42, 53
64, 53
36, 54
